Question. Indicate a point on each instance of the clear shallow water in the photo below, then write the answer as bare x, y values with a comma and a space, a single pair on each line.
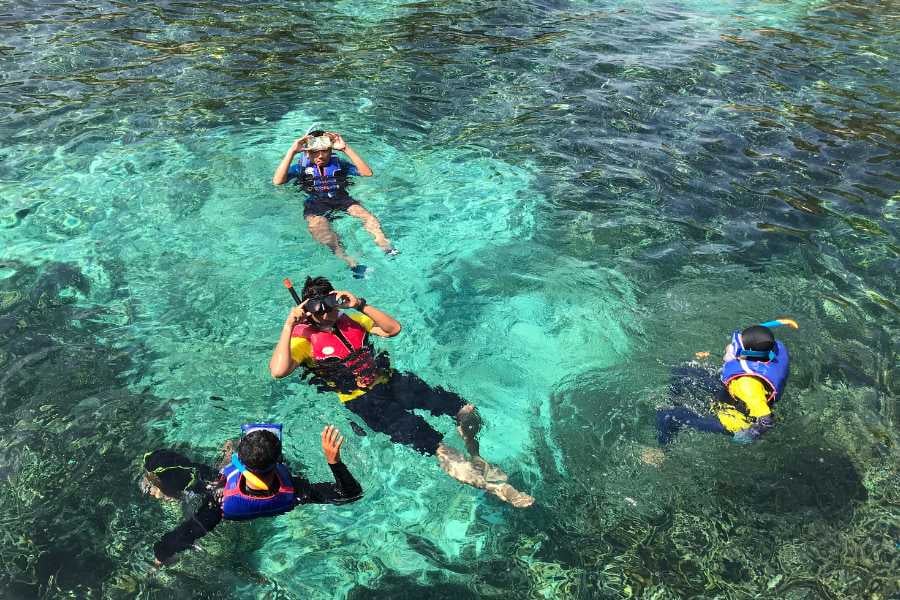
585, 194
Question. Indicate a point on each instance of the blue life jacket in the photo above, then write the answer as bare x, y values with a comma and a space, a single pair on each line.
773, 372
327, 182
239, 506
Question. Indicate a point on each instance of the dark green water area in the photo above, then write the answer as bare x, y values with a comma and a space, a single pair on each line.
585, 194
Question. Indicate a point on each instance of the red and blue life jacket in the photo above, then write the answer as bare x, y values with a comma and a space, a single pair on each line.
240, 506
773, 372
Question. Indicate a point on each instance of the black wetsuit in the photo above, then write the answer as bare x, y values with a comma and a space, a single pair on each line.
388, 408
167, 466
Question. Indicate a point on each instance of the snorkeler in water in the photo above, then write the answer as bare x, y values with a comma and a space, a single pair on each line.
753, 377
253, 483
333, 349
324, 178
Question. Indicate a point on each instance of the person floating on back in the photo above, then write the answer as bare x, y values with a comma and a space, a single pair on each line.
324, 177
753, 377
334, 350
253, 483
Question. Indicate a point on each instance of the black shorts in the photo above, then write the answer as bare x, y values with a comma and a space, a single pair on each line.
325, 206
387, 408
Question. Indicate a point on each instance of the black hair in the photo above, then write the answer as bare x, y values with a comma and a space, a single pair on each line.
259, 450
758, 338
316, 287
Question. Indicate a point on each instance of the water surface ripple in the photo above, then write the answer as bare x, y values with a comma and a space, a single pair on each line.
585, 194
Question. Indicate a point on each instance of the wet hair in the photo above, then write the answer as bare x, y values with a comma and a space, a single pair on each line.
758, 338
316, 287
259, 450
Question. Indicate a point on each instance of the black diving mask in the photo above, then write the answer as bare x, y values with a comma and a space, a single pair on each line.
323, 304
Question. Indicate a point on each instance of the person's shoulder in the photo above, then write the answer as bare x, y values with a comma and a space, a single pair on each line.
361, 319
301, 348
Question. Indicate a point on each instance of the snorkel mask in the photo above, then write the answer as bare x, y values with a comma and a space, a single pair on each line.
251, 476
323, 304
318, 140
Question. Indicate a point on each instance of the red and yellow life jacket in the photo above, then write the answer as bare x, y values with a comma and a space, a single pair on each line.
342, 357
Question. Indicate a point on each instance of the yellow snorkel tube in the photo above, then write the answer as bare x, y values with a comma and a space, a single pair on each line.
779, 322
249, 476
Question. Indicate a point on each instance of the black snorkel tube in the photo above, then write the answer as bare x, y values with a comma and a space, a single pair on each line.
290, 286
315, 304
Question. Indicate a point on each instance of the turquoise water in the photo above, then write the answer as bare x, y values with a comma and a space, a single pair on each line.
584, 195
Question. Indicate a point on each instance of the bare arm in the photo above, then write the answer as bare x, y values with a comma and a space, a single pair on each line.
358, 162
282, 363
385, 325
281, 173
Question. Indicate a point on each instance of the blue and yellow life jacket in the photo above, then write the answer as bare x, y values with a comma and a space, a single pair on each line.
240, 506
327, 182
773, 372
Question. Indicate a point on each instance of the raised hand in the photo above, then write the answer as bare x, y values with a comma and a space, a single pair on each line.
346, 299
337, 142
331, 444
298, 314
299, 144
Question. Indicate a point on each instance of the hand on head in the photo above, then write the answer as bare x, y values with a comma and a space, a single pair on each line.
299, 144
298, 314
331, 444
337, 142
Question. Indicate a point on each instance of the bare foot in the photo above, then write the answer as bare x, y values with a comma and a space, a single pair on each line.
509, 494
653, 457
459, 468
480, 474
492, 473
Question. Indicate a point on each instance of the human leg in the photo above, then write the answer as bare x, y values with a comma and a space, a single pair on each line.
377, 410
669, 421
322, 232
371, 224
168, 474
410, 392
472, 473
